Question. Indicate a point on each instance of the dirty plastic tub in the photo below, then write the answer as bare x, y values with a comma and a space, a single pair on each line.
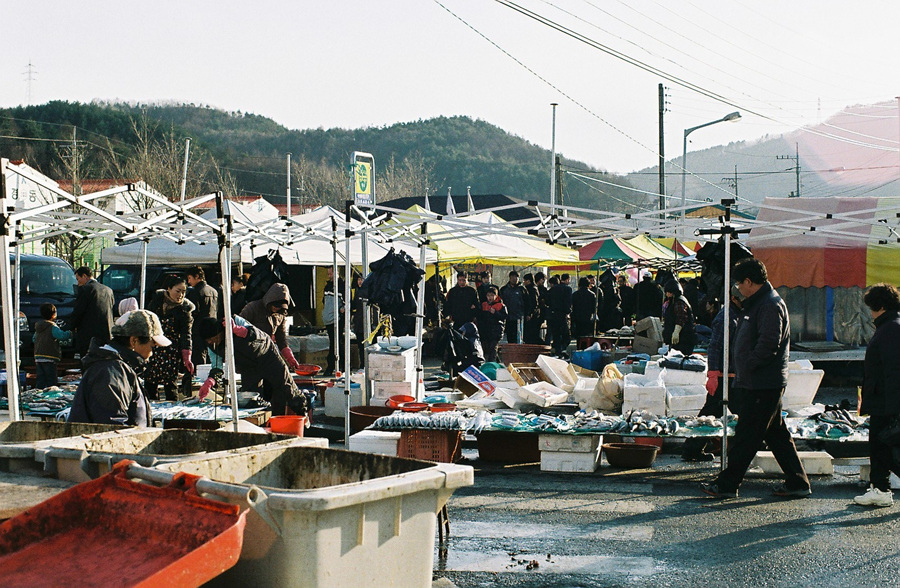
79, 460
116, 532
19, 439
328, 517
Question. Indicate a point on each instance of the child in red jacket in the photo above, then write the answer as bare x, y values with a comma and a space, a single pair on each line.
490, 323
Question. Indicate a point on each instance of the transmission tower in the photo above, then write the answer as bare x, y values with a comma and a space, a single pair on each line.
30, 75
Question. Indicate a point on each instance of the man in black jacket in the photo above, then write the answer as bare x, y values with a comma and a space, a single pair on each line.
648, 298
559, 301
462, 302
761, 349
92, 316
531, 331
513, 296
205, 299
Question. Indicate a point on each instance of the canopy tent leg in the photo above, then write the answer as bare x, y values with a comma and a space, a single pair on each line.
10, 322
144, 274
420, 317
225, 229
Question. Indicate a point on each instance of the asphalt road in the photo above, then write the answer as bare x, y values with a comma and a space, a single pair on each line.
654, 527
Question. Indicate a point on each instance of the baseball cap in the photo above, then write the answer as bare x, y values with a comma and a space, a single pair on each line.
141, 323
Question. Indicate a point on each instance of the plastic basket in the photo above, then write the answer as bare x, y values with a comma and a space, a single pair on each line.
430, 445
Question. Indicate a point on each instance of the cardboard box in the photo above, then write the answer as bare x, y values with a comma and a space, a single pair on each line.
392, 374
384, 390
527, 373
649, 327
646, 345
319, 358
376, 359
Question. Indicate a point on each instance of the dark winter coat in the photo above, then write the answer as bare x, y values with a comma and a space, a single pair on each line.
716, 352
513, 298
184, 318
648, 297
881, 368
679, 312
490, 324
530, 302
257, 314
762, 342
460, 303
92, 315
110, 391
559, 299
584, 305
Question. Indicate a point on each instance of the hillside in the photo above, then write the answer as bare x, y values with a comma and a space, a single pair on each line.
250, 151
851, 154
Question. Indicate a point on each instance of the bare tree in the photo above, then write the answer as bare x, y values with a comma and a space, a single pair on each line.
322, 183
413, 176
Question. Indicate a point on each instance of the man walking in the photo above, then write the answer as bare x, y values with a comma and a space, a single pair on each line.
513, 296
92, 317
761, 349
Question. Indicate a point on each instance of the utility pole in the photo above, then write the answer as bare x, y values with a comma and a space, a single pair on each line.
662, 153
732, 182
796, 159
559, 182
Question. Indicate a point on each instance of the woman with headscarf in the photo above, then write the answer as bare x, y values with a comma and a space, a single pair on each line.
678, 320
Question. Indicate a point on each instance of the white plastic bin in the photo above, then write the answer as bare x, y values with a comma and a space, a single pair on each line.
80, 460
20, 439
328, 517
801, 389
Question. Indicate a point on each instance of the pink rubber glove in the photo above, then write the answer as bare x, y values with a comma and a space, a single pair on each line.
289, 358
186, 359
206, 387
712, 381
238, 330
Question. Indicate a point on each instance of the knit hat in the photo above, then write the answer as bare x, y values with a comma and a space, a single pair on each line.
208, 327
141, 323
673, 287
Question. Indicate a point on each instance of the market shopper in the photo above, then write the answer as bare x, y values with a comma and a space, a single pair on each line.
761, 349
462, 302
584, 310
47, 352
491, 321
559, 300
92, 316
881, 394
329, 318
531, 309
648, 297
205, 299
110, 390
269, 314
678, 321
513, 296
256, 359
238, 294
175, 313
627, 295
483, 286
540, 282
695, 448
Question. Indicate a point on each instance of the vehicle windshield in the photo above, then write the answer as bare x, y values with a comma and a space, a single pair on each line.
44, 279
122, 281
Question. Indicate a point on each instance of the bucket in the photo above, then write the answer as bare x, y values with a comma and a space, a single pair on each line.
522, 352
363, 416
287, 424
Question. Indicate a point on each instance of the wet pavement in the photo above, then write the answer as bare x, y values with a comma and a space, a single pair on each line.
519, 526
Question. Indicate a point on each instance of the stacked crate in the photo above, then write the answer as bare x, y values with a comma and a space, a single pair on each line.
392, 373
570, 453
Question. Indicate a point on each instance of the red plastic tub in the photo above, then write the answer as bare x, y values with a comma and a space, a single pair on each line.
115, 532
290, 424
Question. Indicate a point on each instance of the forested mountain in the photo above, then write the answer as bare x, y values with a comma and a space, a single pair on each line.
244, 153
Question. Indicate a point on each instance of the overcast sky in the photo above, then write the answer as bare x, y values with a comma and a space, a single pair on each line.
353, 63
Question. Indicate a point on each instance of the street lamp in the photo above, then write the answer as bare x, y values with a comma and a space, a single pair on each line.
734, 116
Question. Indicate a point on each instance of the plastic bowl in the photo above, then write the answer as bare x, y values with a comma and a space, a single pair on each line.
396, 401
288, 424
412, 406
442, 406
630, 455
308, 369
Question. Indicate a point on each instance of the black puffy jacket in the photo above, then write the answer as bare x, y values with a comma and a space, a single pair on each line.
110, 392
762, 342
881, 368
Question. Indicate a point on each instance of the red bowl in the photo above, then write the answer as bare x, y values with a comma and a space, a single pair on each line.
412, 406
307, 369
397, 400
442, 406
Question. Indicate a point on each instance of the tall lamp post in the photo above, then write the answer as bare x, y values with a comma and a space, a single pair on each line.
734, 116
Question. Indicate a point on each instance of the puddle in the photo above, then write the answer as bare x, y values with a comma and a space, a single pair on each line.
502, 562
475, 529
611, 505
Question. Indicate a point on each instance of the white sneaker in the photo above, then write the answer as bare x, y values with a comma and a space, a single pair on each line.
875, 497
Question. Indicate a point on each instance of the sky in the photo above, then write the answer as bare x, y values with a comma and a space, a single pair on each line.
363, 63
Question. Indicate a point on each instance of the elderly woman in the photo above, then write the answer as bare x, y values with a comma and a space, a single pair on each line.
175, 314
881, 392
678, 320
110, 390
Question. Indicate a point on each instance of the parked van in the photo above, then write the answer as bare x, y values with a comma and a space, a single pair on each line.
43, 279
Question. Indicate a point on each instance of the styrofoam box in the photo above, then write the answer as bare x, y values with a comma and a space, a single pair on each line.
683, 377
560, 372
802, 386
685, 400
392, 374
399, 361
652, 369
543, 394
503, 375
865, 471
511, 398
570, 443
309, 343
816, 463
570, 461
586, 384
642, 381
334, 400
649, 398
383, 442
387, 389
